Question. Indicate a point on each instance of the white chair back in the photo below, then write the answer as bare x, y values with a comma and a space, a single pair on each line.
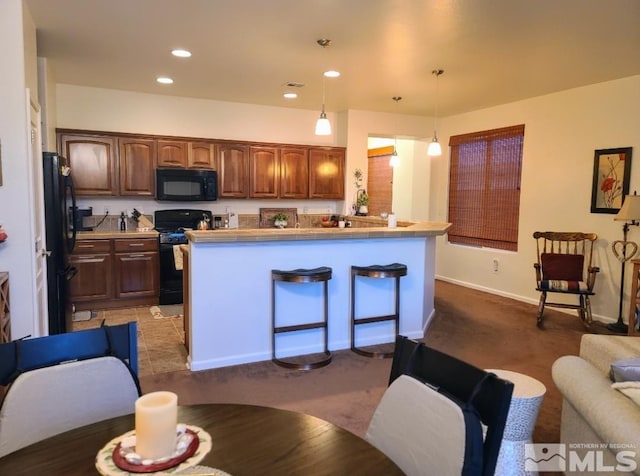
422, 431
44, 402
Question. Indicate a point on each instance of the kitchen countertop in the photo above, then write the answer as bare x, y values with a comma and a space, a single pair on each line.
106, 235
413, 230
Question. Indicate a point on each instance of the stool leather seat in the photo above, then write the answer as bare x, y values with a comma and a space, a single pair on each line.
321, 274
393, 270
381, 271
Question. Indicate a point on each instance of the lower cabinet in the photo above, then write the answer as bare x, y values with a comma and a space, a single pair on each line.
115, 273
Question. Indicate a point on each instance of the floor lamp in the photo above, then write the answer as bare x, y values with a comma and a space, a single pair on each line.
630, 214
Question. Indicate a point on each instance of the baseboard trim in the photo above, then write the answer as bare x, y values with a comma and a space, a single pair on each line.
516, 297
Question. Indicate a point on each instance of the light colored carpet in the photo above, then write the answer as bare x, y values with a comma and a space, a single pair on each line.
166, 311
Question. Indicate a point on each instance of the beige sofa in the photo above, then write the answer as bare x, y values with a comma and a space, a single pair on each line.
592, 411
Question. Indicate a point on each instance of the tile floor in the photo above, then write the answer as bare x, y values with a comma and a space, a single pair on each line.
160, 341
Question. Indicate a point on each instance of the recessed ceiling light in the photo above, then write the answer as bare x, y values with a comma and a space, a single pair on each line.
332, 73
290, 95
181, 53
164, 80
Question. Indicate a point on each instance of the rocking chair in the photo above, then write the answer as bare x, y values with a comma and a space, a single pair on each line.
564, 265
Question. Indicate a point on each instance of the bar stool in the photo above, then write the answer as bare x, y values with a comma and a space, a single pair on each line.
394, 270
322, 274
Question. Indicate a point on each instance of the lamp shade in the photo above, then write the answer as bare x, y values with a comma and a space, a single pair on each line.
630, 210
323, 126
434, 149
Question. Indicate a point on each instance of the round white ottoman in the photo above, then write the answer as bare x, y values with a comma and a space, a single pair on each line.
523, 412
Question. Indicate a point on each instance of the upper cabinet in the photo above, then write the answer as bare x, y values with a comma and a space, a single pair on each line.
264, 167
172, 153
185, 154
233, 171
294, 172
326, 173
92, 159
201, 155
137, 166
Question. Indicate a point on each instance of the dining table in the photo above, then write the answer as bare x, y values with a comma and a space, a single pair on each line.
245, 440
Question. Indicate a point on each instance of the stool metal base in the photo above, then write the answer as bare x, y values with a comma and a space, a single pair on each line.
322, 274
394, 270
304, 366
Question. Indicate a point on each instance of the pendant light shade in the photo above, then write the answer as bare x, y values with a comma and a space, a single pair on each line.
323, 126
434, 149
394, 161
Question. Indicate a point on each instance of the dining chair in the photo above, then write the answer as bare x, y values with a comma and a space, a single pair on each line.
440, 415
45, 399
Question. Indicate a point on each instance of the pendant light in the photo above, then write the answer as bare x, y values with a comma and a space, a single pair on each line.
323, 126
394, 161
434, 149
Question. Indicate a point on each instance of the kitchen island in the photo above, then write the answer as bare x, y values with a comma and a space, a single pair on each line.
230, 288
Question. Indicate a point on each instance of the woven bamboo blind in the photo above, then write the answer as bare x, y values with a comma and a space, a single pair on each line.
380, 181
484, 187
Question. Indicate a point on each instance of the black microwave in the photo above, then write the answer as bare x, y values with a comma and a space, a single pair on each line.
186, 185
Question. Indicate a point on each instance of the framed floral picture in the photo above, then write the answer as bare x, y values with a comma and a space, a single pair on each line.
611, 171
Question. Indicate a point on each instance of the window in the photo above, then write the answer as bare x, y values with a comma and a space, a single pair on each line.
484, 188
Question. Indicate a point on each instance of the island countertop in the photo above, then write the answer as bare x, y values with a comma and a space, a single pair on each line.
413, 230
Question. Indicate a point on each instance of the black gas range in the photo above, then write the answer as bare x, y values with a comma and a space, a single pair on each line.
171, 225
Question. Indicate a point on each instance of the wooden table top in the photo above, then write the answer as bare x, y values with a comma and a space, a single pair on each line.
247, 440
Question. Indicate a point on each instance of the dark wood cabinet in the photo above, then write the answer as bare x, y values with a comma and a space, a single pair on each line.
233, 171
93, 160
326, 173
201, 155
115, 273
184, 154
294, 173
137, 166
172, 153
120, 164
264, 178
94, 277
136, 268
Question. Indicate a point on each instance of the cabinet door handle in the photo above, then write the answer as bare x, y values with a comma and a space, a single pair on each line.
137, 256
136, 244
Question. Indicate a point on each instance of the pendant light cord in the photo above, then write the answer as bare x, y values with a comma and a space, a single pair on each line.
437, 73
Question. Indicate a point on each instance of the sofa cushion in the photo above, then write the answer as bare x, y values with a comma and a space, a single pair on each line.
625, 370
629, 389
603, 350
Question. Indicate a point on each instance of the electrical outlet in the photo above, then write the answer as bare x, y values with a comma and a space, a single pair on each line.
106, 210
496, 265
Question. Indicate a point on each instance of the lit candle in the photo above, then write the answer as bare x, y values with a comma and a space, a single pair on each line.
156, 421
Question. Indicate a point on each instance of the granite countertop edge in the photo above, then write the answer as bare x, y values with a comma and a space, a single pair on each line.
414, 230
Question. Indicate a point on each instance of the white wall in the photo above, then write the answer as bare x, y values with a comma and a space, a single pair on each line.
122, 111
562, 131
15, 202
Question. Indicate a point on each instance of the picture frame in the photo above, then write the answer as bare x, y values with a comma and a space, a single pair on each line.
611, 174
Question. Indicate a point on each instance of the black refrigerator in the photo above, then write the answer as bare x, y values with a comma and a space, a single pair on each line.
59, 210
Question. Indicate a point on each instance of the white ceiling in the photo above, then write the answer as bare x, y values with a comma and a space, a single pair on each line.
492, 51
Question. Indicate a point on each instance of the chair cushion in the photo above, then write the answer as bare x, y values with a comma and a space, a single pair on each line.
421, 429
563, 286
562, 267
